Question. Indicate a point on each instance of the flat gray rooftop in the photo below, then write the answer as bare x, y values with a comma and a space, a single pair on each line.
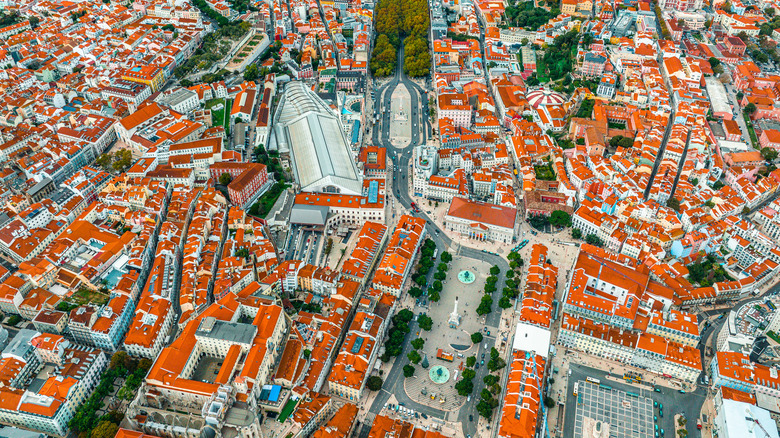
234, 332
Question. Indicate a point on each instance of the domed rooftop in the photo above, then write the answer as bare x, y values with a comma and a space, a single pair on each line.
544, 96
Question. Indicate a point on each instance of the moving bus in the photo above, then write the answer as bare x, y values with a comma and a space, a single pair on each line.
576, 388
592, 380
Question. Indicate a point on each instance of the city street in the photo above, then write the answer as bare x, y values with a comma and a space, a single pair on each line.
400, 188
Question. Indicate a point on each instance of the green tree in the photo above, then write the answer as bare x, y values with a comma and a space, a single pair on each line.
509, 292
769, 154
485, 305
251, 73
484, 409
594, 240
560, 218
714, 62
225, 179
374, 383
425, 322
495, 270
490, 379
404, 315
434, 296
439, 275
509, 274
118, 360
123, 158
549, 402
415, 291
496, 364
749, 108
437, 286
443, 267
104, 429
471, 361
414, 356
576, 233
306, 353
446, 257
476, 337
104, 161
408, 370
673, 203
504, 302
418, 343
464, 387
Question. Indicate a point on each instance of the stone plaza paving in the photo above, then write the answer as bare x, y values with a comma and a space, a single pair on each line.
627, 415
454, 340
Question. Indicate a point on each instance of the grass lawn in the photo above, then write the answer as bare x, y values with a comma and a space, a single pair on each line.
86, 296
220, 116
751, 131
541, 70
287, 410
226, 120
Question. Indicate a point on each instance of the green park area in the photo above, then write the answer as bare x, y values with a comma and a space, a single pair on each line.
220, 116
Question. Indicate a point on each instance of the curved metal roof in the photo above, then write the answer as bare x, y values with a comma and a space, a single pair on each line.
312, 134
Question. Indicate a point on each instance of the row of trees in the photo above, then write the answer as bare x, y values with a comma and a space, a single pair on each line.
465, 385
211, 13
488, 396
510, 290
590, 239
558, 218
398, 331
414, 355
397, 21
420, 278
85, 420
486, 303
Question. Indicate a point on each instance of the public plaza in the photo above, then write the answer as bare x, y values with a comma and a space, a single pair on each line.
451, 332
623, 415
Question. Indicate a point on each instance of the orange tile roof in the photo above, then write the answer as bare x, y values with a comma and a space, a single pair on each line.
340, 425
522, 400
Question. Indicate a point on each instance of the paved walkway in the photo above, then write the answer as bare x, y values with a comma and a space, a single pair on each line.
400, 126
446, 396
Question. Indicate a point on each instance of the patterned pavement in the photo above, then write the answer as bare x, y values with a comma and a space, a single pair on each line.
413, 387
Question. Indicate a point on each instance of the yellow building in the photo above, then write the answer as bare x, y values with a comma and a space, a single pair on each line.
569, 7
150, 75
585, 6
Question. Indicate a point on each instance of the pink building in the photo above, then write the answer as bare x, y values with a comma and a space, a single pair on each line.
770, 138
